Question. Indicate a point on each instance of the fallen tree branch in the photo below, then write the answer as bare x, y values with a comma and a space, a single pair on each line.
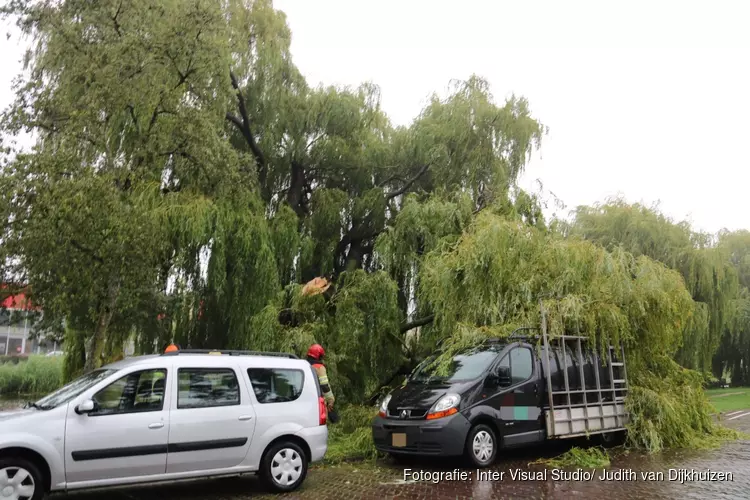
417, 322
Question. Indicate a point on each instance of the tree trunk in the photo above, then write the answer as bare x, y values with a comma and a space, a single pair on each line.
355, 256
96, 341
296, 192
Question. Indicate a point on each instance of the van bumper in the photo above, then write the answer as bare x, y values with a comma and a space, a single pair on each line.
317, 440
444, 437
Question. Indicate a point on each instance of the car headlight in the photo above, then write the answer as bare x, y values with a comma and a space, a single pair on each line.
446, 406
384, 406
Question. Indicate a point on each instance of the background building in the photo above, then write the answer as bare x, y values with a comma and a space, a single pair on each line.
17, 319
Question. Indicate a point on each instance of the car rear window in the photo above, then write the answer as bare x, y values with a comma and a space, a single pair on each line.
276, 385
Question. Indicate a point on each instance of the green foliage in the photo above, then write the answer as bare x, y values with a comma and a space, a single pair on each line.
351, 437
588, 458
733, 355
358, 325
37, 375
705, 268
171, 136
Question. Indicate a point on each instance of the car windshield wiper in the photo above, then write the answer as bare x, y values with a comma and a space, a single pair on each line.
436, 380
31, 404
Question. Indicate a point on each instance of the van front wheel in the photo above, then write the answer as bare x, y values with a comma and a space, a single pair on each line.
481, 445
20, 479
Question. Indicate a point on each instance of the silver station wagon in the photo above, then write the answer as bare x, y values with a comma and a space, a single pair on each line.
175, 416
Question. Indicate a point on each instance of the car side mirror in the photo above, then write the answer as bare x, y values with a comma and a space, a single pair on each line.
491, 381
503, 376
86, 406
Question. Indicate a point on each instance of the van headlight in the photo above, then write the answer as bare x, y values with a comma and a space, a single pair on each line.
384, 406
446, 406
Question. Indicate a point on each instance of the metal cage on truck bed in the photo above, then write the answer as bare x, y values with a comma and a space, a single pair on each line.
585, 396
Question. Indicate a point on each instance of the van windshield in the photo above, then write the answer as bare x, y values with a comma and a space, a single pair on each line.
467, 365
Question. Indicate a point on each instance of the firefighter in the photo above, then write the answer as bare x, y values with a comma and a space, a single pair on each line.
315, 356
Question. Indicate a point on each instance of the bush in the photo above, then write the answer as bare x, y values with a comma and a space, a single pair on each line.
36, 375
351, 437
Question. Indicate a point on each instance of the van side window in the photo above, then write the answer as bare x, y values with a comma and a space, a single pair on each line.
521, 364
207, 387
275, 385
135, 392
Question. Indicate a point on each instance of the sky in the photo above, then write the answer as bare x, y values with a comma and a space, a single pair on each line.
645, 100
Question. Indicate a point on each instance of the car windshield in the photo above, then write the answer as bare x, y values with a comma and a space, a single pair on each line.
466, 365
73, 389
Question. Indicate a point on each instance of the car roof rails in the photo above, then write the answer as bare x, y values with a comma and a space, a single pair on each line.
230, 352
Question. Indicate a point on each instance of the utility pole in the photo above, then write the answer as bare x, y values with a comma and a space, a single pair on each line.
7, 337
25, 331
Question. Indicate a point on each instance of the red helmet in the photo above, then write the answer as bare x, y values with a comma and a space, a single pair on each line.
316, 351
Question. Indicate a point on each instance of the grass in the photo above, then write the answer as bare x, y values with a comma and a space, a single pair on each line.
36, 375
730, 399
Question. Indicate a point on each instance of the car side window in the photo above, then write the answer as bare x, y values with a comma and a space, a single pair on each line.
207, 387
505, 362
276, 385
139, 391
521, 364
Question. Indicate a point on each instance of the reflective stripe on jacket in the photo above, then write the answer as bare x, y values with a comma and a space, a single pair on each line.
325, 386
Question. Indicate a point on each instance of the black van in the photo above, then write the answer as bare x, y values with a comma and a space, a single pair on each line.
500, 395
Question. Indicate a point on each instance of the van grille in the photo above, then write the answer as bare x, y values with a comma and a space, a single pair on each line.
412, 413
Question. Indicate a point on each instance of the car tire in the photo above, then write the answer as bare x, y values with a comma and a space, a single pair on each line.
284, 467
612, 439
32, 485
399, 458
481, 446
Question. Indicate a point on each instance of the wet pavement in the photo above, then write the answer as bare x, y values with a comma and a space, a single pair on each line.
386, 480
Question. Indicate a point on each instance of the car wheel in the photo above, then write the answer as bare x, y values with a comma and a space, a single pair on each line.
481, 445
284, 466
612, 439
20, 480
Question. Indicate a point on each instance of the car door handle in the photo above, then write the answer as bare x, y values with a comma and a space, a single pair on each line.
156, 426
244, 417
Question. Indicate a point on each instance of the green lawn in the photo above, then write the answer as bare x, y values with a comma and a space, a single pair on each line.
730, 399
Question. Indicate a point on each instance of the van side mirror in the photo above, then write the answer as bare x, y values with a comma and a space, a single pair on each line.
491, 381
86, 406
503, 376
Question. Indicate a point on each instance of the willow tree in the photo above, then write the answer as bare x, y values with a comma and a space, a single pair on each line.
226, 181
705, 268
733, 356
490, 280
128, 103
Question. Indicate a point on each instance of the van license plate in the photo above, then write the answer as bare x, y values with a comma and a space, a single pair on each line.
399, 439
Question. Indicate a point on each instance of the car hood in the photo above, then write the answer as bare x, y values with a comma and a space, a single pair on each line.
16, 414
423, 396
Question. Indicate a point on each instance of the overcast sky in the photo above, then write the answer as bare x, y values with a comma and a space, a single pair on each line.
645, 99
